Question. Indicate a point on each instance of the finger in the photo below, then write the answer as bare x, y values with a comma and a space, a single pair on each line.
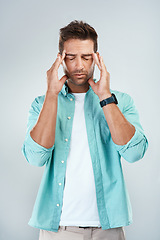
63, 55
60, 58
102, 63
104, 69
96, 60
55, 64
58, 61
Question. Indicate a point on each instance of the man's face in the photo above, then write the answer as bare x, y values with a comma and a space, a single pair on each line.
78, 64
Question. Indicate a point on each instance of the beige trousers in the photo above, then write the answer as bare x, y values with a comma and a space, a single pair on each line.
78, 233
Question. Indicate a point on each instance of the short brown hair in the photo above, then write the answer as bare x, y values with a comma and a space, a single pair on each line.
77, 30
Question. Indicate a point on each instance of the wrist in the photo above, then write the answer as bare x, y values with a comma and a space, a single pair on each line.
111, 99
104, 96
51, 93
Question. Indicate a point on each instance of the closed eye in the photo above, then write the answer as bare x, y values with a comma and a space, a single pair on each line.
86, 58
70, 58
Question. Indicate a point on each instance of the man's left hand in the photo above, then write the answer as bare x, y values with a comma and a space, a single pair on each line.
102, 87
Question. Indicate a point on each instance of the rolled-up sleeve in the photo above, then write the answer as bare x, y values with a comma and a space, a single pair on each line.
34, 153
135, 149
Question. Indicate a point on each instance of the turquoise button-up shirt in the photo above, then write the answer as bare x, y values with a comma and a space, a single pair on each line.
113, 202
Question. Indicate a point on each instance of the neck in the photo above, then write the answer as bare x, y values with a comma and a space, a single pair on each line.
77, 89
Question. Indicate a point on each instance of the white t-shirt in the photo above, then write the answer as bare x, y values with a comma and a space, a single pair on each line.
79, 198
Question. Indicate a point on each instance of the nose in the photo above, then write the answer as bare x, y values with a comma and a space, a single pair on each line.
79, 63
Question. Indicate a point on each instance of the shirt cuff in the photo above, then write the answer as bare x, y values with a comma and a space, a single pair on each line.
137, 138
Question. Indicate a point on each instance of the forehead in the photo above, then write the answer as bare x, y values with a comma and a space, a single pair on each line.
77, 46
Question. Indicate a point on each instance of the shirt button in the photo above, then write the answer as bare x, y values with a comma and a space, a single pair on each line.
69, 117
60, 183
71, 99
57, 205
66, 140
62, 161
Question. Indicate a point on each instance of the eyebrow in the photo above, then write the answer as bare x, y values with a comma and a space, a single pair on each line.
73, 55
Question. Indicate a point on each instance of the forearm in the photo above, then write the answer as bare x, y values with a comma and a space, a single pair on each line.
44, 131
121, 130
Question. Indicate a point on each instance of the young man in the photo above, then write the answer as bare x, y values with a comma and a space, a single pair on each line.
80, 129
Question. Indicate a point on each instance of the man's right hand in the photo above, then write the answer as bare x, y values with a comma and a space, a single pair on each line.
54, 85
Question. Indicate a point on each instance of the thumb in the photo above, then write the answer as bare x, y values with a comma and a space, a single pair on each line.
91, 82
63, 79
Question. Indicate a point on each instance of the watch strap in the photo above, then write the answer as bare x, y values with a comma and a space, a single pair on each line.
109, 100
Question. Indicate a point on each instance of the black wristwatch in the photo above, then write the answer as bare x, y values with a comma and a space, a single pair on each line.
111, 99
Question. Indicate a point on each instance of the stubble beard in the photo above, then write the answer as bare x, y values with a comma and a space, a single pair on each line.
79, 81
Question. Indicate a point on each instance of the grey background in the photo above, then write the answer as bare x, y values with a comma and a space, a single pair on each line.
129, 43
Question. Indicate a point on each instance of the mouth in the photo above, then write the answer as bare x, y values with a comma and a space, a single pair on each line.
79, 75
